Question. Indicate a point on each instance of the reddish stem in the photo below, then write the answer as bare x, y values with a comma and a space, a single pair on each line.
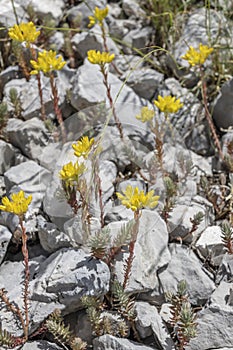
208, 116
27, 276
56, 106
109, 96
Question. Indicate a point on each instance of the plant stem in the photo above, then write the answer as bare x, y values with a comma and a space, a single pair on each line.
27, 276
129, 261
42, 107
109, 96
208, 116
56, 106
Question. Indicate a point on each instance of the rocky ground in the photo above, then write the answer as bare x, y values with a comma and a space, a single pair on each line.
61, 267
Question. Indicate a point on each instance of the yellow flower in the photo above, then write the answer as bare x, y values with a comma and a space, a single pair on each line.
83, 147
47, 62
134, 199
18, 205
24, 32
99, 16
70, 172
97, 57
146, 114
168, 104
195, 57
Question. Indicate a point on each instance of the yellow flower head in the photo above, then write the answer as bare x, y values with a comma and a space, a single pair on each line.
70, 172
134, 199
47, 62
83, 147
18, 205
168, 104
99, 16
197, 57
146, 114
24, 32
97, 57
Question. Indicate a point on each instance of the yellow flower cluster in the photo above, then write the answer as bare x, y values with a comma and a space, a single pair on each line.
99, 16
83, 147
97, 57
146, 114
18, 205
197, 57
47, 62
135, 200
168, 104
70, 172
24, 32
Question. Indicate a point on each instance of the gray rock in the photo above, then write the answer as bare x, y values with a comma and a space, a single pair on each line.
144, 81
223, 107
217, 323
5, 237
109, 342
9, 220
222, 297
80, 325
82, 11
29, 136
199, 27
151, 254
7, 17
29, 177
210, 244
84, 96
189, 121
199, 285
67, 275
132, 8
40, 345
149, 322
7, 156
137, 38
53, 8
51, 239
225, 271
49, 155
179, 220
11, 72
92, 40
28, 93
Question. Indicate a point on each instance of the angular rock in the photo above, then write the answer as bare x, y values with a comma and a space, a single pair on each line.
52, 8
184, 265
145, 82
179, 220
92, 40
82, 11
5, 237
29, 136
113, 343
216, 322
84, 96
7, 16
225, 271
223, 106
29, 177
51, 239
137, 38
40, 345
192, 113
67, 275
149, 322
28, 94
210, 244
132, 8
7, 156
151, 253
198, 28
